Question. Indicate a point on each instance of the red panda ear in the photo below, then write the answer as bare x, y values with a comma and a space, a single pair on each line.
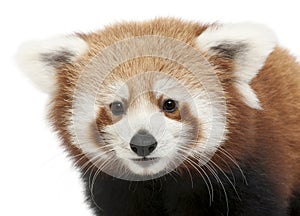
39, 59
247, 45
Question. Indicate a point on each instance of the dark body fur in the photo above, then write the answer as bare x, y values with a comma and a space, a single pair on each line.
188, 195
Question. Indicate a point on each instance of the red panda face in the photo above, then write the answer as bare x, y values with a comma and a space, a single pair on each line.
147, 116
139, 100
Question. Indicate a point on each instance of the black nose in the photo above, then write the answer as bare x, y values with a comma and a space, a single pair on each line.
143, 143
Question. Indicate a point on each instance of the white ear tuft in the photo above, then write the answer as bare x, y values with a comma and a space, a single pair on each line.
248, 94
247, 44
39, 59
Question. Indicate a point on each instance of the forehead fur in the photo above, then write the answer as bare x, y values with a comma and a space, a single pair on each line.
184, 31
167, 27
159, 68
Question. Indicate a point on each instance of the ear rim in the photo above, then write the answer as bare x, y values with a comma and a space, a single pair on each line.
260, 41
30, 60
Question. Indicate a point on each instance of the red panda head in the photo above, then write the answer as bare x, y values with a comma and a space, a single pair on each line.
138, 100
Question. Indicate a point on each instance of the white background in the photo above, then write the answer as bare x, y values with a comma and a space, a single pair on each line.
36, 178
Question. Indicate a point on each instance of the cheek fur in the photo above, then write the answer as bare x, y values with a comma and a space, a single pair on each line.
194, 125
104, 118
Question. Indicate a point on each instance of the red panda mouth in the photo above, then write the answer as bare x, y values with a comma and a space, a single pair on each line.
145, 162
145, 159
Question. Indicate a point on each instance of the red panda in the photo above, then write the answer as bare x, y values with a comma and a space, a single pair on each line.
168, 117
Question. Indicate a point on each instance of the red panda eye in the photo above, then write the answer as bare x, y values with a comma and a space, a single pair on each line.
169, 106
117, 108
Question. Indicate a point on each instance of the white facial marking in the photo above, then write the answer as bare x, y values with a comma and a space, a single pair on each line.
169, 87
116, 91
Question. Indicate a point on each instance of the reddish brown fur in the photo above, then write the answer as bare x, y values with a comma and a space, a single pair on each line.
273, 133
104, 117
